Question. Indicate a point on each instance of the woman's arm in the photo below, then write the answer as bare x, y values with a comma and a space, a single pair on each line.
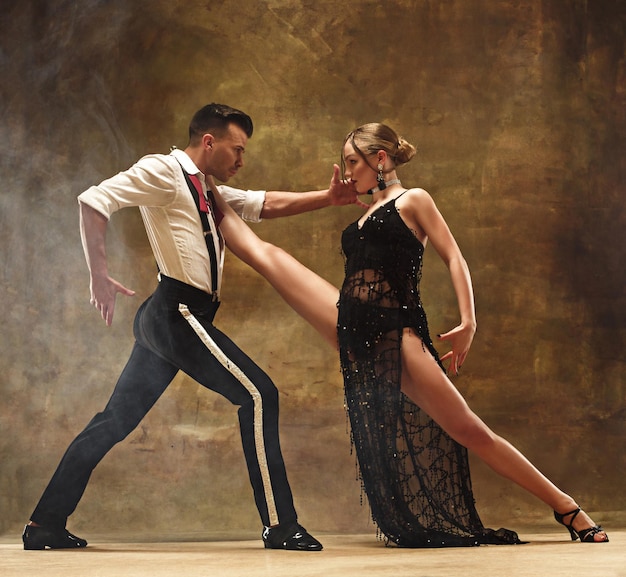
431, 225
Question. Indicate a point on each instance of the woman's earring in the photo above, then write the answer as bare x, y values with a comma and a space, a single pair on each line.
380, 177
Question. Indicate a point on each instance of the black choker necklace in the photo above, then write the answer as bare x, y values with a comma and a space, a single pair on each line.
383, 185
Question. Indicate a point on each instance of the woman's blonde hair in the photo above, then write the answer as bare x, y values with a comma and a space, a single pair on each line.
370, 138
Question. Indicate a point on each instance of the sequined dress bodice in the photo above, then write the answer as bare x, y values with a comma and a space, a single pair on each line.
380, 293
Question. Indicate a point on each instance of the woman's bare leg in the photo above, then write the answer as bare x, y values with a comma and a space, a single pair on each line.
424, 382
311, 296
428, 386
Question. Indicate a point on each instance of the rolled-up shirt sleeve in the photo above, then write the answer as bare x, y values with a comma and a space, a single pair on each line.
248, 204
146, 183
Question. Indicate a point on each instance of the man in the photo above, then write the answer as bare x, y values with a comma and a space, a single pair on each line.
188, 224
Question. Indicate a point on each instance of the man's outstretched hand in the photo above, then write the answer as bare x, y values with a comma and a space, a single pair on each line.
342, 192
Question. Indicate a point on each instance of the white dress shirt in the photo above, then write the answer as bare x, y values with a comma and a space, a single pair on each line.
156, 185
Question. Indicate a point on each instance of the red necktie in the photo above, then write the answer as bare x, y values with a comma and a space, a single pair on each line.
217, 214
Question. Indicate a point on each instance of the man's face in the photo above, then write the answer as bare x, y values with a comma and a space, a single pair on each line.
226, 156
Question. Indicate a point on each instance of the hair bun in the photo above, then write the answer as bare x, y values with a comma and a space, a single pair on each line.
406, 151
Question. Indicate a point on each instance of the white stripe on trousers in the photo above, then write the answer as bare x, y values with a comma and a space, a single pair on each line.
258, 407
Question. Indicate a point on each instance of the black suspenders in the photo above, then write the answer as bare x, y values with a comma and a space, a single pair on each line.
208, 235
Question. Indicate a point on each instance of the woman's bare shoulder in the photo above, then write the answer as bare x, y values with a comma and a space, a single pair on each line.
417, 197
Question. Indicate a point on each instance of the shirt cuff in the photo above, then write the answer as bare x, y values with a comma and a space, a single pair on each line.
253, 205
248, 204
99, 203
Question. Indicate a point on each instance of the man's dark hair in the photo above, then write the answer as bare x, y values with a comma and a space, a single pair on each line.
215, 118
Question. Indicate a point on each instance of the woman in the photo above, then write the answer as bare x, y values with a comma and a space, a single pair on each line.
410, 425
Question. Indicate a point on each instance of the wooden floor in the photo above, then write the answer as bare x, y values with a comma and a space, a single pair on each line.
547, 555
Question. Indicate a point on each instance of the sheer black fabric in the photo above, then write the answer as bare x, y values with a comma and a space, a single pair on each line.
416, 478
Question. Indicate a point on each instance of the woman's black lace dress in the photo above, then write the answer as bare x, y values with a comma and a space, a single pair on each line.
415, 476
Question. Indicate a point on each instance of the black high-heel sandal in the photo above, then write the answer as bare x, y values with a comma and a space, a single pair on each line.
585, 535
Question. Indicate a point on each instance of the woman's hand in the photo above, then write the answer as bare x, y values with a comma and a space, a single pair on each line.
460, 338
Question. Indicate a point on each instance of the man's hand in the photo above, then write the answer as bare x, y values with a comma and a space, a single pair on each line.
342, 192
103, 288
103, 293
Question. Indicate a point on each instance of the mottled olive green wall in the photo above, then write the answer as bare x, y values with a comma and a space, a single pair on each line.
518, 109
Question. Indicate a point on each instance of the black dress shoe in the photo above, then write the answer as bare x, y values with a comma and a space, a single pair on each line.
38, 538
293, 537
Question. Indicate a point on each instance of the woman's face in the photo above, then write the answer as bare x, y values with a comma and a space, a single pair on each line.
358, 170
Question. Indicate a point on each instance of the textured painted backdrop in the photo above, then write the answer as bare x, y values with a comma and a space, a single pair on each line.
518, 109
